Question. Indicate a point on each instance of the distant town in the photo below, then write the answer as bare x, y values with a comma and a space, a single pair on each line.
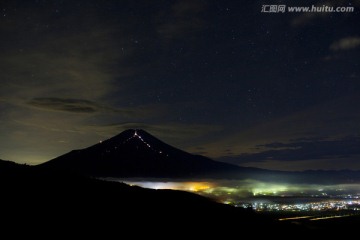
327, 201
324, 205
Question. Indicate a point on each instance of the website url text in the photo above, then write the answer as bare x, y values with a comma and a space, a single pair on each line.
312, 9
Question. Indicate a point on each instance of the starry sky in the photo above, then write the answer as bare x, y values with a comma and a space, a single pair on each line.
217, 78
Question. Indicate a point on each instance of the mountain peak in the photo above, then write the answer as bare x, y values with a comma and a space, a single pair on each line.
136, 153
139, 133
131, 138
132, 133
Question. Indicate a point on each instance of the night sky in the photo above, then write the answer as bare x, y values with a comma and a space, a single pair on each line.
217, 78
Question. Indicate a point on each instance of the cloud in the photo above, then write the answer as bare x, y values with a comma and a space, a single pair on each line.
336, 118
306, 18
345, 43
342, 148
43, 71
184, 18
315, 164
75, 106
74, 56
66, 105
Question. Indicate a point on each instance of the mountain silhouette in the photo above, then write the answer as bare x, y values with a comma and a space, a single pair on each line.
136, 153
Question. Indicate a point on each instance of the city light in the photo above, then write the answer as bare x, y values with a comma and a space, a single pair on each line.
266, 196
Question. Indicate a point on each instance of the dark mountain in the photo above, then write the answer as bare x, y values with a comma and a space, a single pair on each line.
9, 167
136, 153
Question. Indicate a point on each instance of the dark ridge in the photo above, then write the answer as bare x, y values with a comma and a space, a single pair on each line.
37, 202
51, 200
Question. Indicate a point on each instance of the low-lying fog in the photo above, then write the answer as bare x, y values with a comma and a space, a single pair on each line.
240, 190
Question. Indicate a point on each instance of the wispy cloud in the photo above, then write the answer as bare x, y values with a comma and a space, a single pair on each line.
183, 19
306, 18
345, 44
303, 151
336, 119
73, 57
77, 106
66, 105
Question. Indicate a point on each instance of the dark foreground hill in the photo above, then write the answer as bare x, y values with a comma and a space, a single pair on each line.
62, 204
31, 197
